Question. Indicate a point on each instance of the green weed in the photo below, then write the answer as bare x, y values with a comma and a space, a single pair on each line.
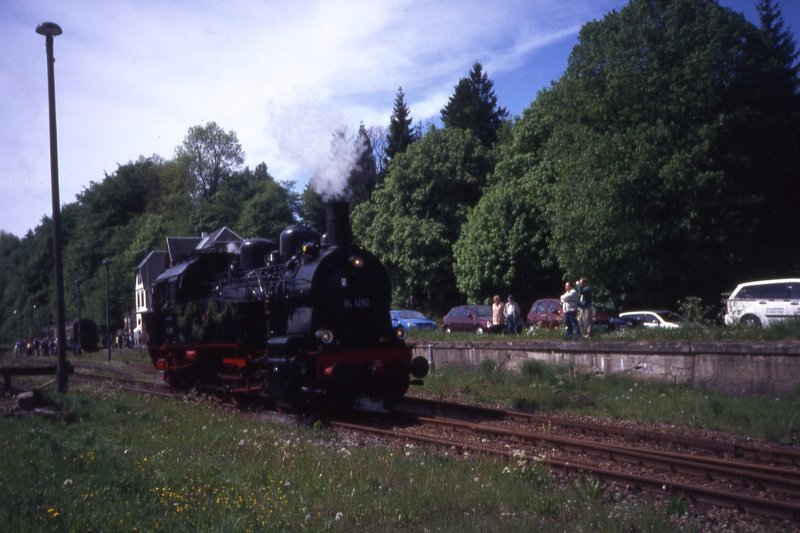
133, 462
557, 389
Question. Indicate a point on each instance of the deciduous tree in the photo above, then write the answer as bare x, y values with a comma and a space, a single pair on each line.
209, 155
413, 219
652, 178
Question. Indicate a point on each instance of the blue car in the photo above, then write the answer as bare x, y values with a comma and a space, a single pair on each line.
411, 320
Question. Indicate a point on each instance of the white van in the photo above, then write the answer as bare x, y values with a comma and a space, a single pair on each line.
764, 303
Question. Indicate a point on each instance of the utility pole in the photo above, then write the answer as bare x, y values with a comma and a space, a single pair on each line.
50, 30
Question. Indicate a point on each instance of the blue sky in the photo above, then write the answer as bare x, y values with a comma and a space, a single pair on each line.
133, 76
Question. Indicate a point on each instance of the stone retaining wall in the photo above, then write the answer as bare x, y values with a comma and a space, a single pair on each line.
743, 368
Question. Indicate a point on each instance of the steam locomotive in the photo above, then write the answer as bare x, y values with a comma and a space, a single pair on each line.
305, 324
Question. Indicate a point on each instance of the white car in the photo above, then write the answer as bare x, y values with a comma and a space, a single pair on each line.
655, 319
763, 303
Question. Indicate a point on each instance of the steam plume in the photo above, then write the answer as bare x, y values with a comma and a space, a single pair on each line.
330, 181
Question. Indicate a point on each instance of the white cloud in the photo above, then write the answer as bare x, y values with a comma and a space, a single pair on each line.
132, 77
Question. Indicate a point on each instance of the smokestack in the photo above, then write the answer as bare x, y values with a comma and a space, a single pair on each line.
337, 217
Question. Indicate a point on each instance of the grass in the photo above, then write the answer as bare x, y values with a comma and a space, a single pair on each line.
113, 461
541, 387
127, 462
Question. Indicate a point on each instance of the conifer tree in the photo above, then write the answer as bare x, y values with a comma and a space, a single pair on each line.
401, 133
473, 107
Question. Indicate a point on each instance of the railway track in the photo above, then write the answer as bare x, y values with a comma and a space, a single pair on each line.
618, 433
699, 477
758, 480
126, 383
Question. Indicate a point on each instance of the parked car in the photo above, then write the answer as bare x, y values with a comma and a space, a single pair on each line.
409, 319
656, 319
476, 318
763, 303
546, 313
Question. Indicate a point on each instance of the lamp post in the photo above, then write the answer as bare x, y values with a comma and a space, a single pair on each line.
105, 263
50, 30
78, 328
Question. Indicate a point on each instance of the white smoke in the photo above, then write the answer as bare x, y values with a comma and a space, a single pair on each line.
330, 181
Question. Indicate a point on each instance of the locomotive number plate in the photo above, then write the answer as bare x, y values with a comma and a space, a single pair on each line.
357, 303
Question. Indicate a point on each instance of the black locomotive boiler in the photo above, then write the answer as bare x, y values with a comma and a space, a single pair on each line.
304, 324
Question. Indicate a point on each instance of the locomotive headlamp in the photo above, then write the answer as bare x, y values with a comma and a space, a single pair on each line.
400, 332
325, 336
357, 261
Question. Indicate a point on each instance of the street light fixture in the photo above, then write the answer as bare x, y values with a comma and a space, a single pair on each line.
50, 30
105, 263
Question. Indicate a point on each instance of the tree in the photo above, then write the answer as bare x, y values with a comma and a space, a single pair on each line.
505, 243
473, 107
268, 209
780, 42
412, 220
209, 155
780, 116
378, 140
364, 176
11, 312
401, 133
226, 207
121, 218
648, 161
502, 247
312, 209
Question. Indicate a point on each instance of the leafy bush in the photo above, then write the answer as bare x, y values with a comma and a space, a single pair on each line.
694, 310
487, 367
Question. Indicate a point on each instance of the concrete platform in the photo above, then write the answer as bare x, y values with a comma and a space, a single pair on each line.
741, 368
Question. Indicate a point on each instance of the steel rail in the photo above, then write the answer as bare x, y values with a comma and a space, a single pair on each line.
761, 453
781, 481
695, 493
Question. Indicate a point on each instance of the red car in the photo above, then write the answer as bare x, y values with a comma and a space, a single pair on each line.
475, 318
546, 313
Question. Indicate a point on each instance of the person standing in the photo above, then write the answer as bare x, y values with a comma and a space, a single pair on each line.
512, 315
497, 313
569, 305
586, 311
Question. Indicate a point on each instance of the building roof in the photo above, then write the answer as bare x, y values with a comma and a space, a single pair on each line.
151, 266
178, 247
220, 237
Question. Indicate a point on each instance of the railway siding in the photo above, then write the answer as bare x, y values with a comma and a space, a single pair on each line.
741, 368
